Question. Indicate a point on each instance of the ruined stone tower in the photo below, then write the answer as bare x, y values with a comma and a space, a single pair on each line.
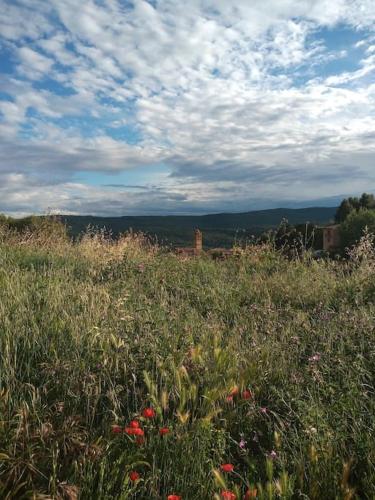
198, 243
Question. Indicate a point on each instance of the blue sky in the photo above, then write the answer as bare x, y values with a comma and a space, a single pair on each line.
114, 107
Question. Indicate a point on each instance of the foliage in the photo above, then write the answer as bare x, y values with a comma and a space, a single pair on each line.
256, 361
353, 204
354, 226
42, 230
293, 241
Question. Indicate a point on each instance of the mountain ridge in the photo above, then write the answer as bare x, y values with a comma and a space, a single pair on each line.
220, 229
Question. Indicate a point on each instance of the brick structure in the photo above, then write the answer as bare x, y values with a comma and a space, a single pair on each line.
198, 241
331, 238
220, 253
197, 249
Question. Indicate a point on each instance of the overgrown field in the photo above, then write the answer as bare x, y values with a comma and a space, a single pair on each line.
257, 361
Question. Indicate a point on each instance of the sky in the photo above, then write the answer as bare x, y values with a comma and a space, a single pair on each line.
127, 107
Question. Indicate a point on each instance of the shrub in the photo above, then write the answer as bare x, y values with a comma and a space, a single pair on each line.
354, 226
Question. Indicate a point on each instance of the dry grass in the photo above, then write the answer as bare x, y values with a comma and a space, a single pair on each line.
101, 248
93, 332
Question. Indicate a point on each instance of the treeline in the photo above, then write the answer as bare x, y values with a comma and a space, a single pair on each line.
354, 215
353, 204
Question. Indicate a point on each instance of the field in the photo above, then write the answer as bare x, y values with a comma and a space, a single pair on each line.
259, 362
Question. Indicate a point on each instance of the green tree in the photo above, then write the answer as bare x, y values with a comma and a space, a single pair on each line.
354, 201
343, 211
367, 201
353, 227
348, 205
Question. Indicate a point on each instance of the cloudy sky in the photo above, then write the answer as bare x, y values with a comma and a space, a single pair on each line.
115, 107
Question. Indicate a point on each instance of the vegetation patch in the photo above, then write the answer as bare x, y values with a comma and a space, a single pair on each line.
126, 372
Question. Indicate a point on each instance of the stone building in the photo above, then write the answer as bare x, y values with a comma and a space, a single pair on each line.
198, 241
197, 249
331, 238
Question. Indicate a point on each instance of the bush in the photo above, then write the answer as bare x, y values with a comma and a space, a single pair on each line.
352, 229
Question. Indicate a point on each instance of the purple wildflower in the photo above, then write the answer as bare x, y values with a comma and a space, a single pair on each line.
272, 455
315, 358
242, 444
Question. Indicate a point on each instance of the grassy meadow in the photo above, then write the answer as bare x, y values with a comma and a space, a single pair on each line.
257, 361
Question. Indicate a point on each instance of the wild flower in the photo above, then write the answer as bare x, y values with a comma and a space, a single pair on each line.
242, 444
272, 455
247, 394
134, 431
149, 413
263, 410
315, 358
229, 399
116, 429
134, 424
164, 431
227, 467
134, 476
228, 495
234, 391
174, 497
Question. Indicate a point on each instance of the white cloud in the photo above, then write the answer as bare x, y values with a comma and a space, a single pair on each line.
24, 19
33, 65
212, 87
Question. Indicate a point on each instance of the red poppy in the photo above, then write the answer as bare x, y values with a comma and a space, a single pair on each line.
163, 431
229, 399
234, 391
116, 429
140, 440
251, 493
134, 424
227, 467
149, 413
134, 476
247, 394
137, 431
228, 495
174, 497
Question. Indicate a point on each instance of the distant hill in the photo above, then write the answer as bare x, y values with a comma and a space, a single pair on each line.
219, 229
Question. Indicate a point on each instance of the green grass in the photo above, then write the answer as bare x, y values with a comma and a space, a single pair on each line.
92, 333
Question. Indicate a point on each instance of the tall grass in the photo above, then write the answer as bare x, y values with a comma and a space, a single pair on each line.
258, 361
